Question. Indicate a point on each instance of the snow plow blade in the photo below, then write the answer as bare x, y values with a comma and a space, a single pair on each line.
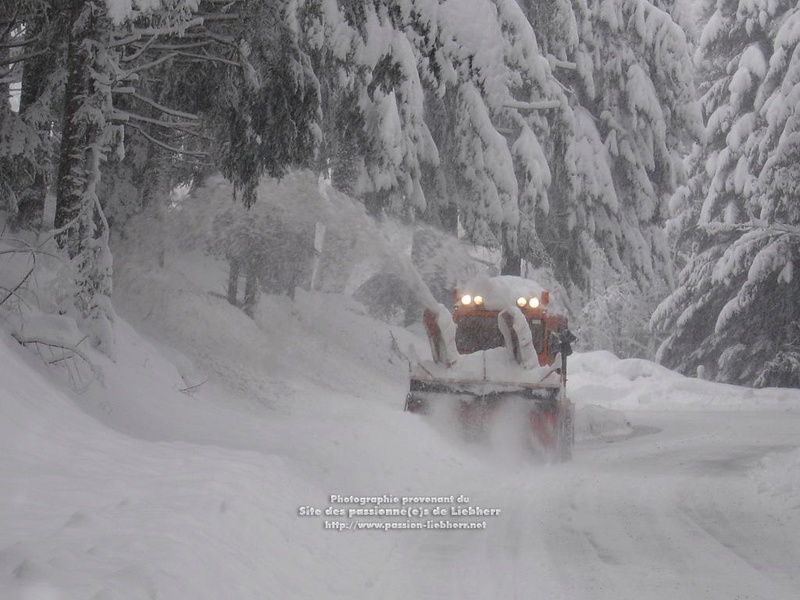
542, 414
423, 393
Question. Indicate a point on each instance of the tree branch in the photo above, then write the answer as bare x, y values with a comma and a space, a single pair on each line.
220, 16
125, 116
20, 44
222, 39
540, 105
11, 22
165, 109
562, 64
31, 250
22, 58
149, 65
175, 47
170, 30
204, 57
139, 51
164, 145
125, 41
191, 388
56, 344
770, 228
13, 292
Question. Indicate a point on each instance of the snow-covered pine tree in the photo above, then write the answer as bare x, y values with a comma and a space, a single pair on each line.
91, 130
30, 36
627, 67
167, 142
424, 108
372, 60
543, 142
735, 310
266, 111
87, 135
501, 173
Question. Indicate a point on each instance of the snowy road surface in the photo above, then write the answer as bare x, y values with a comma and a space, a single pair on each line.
673, 512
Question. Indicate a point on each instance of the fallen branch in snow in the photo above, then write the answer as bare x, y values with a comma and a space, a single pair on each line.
68, 358
191, 388
13, 291
26, 248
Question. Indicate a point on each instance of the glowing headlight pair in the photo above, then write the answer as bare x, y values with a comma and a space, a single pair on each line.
522, 302
466, 300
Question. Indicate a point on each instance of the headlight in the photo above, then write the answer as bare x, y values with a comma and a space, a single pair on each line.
534, 302
466, 299
521, 302
478, 300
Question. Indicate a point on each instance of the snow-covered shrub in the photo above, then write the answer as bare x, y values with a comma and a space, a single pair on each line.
616, 319
784, 369
278, 253
297, 227
615, 314
37, 306
389, 298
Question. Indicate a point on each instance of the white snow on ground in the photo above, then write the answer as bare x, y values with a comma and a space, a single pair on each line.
778, 476
630, 384
136, 489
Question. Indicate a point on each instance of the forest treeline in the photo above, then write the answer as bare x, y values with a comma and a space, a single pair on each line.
626, 146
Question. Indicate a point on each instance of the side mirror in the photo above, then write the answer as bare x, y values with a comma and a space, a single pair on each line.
561, 341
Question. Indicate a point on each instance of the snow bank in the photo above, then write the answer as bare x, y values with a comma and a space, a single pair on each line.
88, 512
602, 379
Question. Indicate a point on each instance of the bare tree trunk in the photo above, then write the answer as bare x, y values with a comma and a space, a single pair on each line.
5, 90
86, 136
72, 173
233, 280
45, 26
251, 289
512, 261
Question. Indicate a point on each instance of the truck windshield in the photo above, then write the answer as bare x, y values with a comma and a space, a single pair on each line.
475, 333
480, 332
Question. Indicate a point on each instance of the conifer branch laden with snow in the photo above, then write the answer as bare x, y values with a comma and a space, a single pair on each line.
738, 222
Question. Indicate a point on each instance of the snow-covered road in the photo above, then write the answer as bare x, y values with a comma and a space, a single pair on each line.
673, 511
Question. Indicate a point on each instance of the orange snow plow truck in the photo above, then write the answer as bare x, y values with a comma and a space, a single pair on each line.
499, 346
